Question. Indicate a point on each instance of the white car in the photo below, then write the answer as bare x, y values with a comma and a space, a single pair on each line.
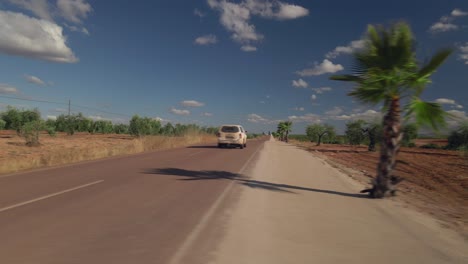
232, 135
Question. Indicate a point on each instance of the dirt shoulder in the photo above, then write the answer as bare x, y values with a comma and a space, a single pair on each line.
296, 208
62, 149
436, 181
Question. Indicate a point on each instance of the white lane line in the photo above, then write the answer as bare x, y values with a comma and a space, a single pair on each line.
49, 196
195, 233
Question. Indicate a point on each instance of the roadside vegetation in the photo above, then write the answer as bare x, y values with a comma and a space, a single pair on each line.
29, 125
31, 142
384, 72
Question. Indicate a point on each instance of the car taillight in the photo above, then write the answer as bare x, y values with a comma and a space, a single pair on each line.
240, 135
218, 134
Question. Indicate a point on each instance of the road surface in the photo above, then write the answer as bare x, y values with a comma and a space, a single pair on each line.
268, 203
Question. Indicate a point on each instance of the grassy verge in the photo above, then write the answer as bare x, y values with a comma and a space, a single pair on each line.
15, 156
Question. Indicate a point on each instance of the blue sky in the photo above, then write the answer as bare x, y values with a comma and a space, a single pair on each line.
253, 62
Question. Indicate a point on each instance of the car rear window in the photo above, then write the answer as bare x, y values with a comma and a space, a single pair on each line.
229, 129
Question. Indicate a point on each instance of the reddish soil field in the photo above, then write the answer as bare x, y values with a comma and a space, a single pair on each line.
435, 181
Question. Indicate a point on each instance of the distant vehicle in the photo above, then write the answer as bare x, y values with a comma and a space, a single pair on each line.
232, 135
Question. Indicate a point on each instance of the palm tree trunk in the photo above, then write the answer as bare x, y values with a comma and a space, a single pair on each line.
385, 182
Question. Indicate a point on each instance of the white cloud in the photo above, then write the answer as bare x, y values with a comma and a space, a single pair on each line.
207, 114
334, 112
34, 79
313, 97
191, 103
248, 48
325, 67
179, 111
7, 89
74, 10
98, 118
300, 83
451, 102
301, 109
235, 17
39, 8
262, 102
198, 13
445, 101
33, 38
309, 118
321, 90
456, 118
275, 9
77, 29
457, 12
206, 40
255, 118
445, 23
464, 52
162, 120
442, 27
368, 115
352, 47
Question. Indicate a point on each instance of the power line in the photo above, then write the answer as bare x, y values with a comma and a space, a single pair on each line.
32, 100
69, 105
99, 110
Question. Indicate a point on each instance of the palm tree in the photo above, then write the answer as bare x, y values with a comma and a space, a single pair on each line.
386, 71
284, 128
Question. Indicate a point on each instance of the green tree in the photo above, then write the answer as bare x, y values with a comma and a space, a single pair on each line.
102, 127
318, 132
142, 126
168, 129
355, 132
410, 133
386, 71
2, 124
121, 129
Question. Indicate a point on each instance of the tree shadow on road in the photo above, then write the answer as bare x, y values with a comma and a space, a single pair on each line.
193, 175
207, 146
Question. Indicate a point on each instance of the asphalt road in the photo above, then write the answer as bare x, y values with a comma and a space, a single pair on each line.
147, 208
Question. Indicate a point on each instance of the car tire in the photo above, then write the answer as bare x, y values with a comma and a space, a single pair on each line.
220, 146
241, 146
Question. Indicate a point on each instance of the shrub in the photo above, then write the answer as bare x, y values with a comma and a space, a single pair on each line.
458, 138
30, 132
51, 131
302, 138
2, 124
410, 133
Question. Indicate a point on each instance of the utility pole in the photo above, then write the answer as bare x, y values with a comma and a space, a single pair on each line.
69, 106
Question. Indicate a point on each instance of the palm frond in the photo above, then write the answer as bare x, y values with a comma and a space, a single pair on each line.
346, 78
427, 113
369, 94
434, 62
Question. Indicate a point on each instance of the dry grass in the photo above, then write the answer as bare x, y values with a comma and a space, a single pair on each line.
16, 156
